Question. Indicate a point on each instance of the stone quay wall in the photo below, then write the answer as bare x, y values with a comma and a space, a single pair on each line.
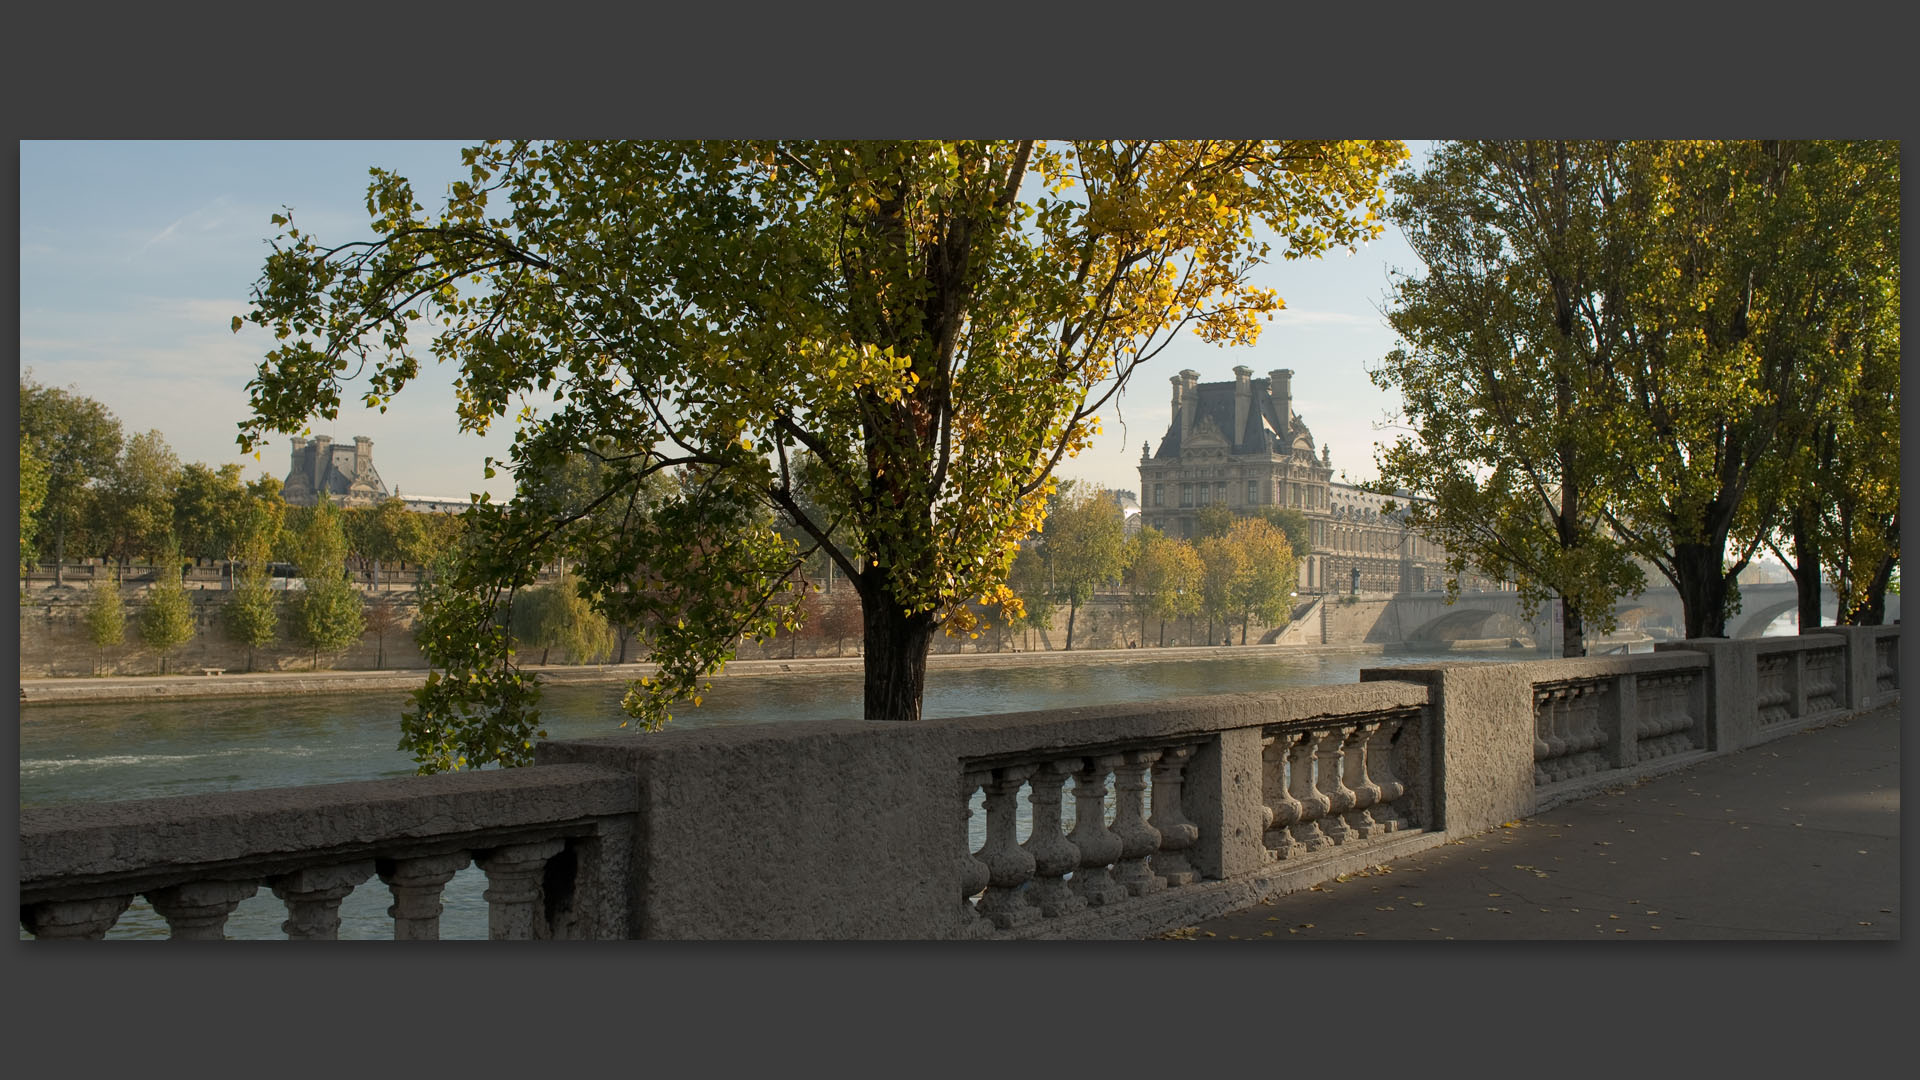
852, 830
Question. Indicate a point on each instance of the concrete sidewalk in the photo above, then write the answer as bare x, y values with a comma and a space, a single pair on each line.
1798, 838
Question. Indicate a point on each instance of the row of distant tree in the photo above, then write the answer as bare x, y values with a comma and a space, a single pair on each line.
89, 491
1237, 569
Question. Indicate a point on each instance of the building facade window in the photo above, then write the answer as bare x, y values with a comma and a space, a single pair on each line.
1253, 492
1157, 495
1186, 494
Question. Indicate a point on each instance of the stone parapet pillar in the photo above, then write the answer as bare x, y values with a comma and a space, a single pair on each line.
1481, 729
1733, 714
1224, 798
1860, 662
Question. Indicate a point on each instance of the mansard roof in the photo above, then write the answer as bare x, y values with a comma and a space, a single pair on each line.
1215, 410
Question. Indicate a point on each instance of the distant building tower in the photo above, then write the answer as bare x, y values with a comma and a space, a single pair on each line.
1240, 444
344, 474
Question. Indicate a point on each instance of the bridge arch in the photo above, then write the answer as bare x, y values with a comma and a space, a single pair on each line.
1470, 623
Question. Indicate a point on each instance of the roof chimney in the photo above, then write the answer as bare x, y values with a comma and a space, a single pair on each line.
1242, 398
1189, 402
1280, 385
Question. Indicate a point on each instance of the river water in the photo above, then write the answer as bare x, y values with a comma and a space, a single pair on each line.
85, 753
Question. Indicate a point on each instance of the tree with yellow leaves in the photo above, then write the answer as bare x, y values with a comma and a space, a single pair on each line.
935, 323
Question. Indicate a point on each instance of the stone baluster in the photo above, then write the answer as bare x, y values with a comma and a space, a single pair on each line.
198, 910
416, 885
73, 920
1177, 834
973, 871
1558, 703
1542, 726
514, 874
1054, 856
1282, 809
1593, 733
1339, 797
1313, 805
1139, 840
1097, 844
313, 898
1354, 774
1380, 771
1008, 864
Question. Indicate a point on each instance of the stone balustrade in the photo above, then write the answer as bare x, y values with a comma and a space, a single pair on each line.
954, 828
552, 841
1762, 688
1593, 717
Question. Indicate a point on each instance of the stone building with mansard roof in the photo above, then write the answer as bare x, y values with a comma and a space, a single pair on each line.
345, 474
1240, 443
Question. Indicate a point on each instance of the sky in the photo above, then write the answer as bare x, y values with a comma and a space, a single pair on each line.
136, 256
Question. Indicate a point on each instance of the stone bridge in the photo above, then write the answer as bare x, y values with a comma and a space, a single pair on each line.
1427, 617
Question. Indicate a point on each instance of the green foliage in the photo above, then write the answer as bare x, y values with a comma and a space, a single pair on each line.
459, 723
1085, 543
209, 508
936, 323
79, 441
1030, 585
1263, 587
251, 614
1768, 271
385, 533
1212, 520
133, 510
557, 616
1293, 523
1630, 348
259, 525
166, 622
382, 618
1510, 341
326, 613
1164, 578
33, 495
106, 615
1222, 566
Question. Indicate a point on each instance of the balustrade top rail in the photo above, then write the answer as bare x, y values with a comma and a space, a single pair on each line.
73, 850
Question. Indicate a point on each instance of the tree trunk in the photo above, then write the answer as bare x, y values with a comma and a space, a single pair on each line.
1163, 633
59, 553
1806, 572
1573, 631
1072, 610
1702, 585
1243, 626
896, 653
1874, 611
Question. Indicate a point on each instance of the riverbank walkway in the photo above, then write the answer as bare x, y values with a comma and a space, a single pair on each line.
1794, 839
194, 684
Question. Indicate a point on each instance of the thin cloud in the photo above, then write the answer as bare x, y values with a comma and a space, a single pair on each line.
174, 226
